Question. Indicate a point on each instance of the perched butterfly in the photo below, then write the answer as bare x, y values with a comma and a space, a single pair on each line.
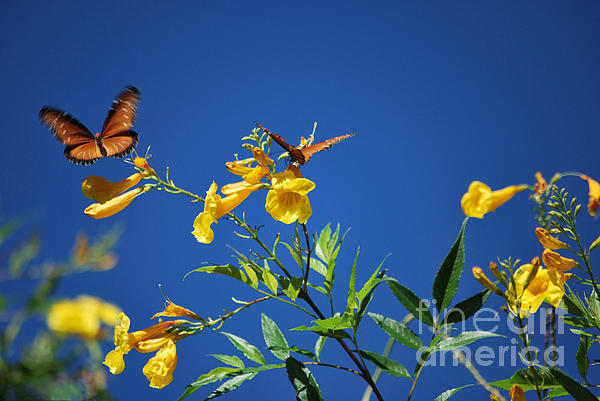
302, 154
116, 138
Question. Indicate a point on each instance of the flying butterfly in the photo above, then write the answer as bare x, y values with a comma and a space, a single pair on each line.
115, 140
303, 154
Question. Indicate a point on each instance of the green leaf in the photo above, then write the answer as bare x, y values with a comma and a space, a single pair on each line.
449, 393
296, 255
210, 377
411, 302
573, 305
322, 247
274, 338
523, 378
398, 331
580, 322
249, 350
323, 332
303, 352
576, 390
464, 338
231, 360
467, 308
270, 281
371, 283
335, 322
317, 265
227, 270
388, 365
303, 381
351, 304
291, 287
445, 283
364, 302
581, 357
252, 277
230, 385
319, 346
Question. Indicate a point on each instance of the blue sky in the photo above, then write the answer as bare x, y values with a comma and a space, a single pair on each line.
437, 94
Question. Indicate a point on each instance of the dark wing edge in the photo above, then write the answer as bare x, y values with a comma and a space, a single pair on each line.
134, 141
318, 147
130, 96
74, 160
52, 117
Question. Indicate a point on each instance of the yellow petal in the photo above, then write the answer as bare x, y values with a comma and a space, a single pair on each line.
142, 163
594, 194
477, 201
288, 207
114, 361
159, 369
71, 317
202, 230
486, 282
503, 195
114, 205
553, 260
517, 393
261, 157
101, 190
548, 241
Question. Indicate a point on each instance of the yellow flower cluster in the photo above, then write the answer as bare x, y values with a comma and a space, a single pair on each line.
81, 316
111, 196
159, 369
287, 200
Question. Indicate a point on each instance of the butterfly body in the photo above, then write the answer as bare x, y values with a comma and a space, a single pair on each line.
301, 154
115, 140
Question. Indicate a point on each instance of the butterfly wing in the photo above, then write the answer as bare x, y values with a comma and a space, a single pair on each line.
120, 144
121, 115
81, 145
295, 154
308, 151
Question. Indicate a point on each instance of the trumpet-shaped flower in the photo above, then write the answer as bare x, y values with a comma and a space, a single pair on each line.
101, 190
480, 199
485, 281
142, 162
288, 200
159, 369
216, 207
81, 316
547, 284
553, 260
252, 175
594, 194
114, 205
173, 310
548, 241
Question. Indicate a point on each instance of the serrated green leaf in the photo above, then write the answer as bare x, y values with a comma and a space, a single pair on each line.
467, 308
274, 338
319, 346
303, 381
297, 257
335, 322
364, 302
317, 265
446, 280
464, 338
230, 385
251, 274
388, 365
323, 332
351, 303
226, 270
270, 281
576, 390
449, 393
322, 245
231, 360
291, 287
573, 305
249, 350
577, 322
398, 331
303, 352
210, 377
411, 302
581, 356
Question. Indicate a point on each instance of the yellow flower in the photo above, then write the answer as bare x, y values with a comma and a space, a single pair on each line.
287, 201
594, 194
548, 241
483, 280
216, 207
147, 340
252, 175
480, 199
173, 310
101, 190
159, 369
517, 393
114, 205
540, 186
82, 316
554, 261
547, 285
142, 162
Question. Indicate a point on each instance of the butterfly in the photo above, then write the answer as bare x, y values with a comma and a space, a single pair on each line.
302, 154
115, 140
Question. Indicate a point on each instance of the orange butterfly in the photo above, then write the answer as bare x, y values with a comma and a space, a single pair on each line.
302, 154
115, 140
